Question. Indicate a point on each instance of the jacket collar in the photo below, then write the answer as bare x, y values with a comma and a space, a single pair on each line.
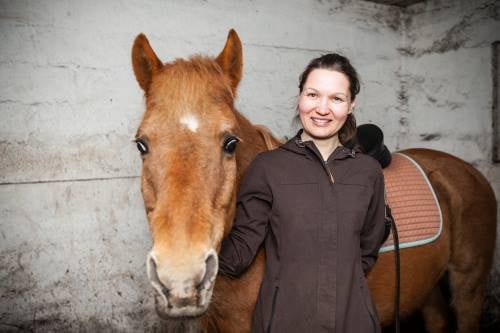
298, 146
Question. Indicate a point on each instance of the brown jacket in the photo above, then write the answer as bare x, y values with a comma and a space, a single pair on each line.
321, 238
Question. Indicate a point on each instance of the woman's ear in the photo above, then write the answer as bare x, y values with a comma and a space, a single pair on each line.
351, 107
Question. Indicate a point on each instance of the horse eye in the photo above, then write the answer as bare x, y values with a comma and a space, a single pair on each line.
142, 146
230, 144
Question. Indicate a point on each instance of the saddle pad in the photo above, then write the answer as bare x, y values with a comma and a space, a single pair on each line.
413, 203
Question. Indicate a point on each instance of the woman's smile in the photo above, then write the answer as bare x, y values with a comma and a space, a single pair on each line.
320, 122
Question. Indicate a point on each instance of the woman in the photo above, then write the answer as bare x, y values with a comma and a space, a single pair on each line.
318, 207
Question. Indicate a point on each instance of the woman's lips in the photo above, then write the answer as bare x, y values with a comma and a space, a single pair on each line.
320, 121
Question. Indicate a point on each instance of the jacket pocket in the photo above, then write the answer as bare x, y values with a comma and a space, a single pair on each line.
273, 308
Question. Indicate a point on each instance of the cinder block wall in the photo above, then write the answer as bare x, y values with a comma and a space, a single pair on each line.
73, 231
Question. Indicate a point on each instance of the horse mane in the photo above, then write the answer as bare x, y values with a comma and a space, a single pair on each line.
267, 135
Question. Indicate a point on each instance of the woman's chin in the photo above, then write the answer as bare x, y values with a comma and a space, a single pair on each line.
321, 134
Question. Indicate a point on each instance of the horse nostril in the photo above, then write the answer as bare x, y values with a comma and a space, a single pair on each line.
211, 267
153, 276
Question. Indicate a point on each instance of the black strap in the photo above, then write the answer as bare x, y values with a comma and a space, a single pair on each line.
387, 224
389, 220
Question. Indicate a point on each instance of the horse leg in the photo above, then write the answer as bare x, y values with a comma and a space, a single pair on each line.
468, 292
471, 257
435, 312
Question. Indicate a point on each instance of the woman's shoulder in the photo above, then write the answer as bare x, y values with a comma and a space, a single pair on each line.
268, 159
366, 164
276, 154
366, 160
271, 162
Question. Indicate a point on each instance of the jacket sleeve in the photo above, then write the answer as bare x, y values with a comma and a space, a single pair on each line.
374, 228
250, 227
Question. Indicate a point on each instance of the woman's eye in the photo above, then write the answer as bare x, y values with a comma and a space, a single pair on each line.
142, 146
229, 144
337, 99
312, 95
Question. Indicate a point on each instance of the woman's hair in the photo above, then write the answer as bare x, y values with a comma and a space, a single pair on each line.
341, 64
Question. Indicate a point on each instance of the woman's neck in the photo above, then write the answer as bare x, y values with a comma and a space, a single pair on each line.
325, 146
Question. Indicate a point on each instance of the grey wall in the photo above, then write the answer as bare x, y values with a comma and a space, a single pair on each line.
73, 232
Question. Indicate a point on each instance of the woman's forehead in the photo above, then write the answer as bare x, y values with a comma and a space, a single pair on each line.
321, 79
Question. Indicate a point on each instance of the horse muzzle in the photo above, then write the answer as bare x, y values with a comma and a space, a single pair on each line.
183, 295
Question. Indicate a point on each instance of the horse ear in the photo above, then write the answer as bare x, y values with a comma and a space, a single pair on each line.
144, 61
231, 59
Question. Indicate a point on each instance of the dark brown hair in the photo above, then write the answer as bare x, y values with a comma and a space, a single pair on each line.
341, 64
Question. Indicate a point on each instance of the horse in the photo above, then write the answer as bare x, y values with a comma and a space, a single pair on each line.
195, 147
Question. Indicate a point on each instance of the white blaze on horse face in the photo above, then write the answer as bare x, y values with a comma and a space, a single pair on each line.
190, 121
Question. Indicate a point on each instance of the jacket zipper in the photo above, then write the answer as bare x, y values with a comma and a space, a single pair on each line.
324, 164
273, 306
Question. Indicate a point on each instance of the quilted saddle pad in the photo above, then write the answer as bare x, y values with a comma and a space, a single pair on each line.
413, 203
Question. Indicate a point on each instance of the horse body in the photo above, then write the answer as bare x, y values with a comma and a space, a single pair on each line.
464, 250
190, 177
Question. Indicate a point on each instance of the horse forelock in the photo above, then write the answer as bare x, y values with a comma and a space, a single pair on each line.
181, 83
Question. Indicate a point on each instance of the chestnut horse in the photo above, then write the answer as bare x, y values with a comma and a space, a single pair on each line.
195, 148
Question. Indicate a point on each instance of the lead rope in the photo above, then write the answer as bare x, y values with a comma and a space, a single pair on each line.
389, 219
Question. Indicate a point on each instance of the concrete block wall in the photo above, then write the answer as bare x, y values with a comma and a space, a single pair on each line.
73, 233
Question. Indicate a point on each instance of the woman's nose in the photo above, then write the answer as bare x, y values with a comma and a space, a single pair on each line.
323, 107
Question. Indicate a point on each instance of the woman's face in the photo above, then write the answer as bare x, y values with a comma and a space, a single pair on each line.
324, 103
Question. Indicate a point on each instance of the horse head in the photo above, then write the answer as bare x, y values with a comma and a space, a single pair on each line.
191, 168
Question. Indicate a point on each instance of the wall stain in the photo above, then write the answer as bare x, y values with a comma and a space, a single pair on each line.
454, 38
430, 136
388, 19
431, 99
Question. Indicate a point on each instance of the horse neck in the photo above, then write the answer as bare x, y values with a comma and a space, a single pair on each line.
252, 144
